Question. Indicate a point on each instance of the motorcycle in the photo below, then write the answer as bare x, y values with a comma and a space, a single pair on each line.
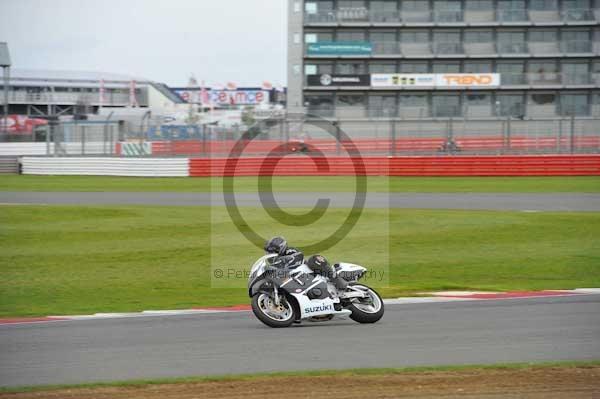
282, 295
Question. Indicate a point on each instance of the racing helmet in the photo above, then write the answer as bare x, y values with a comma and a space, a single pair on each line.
276, 245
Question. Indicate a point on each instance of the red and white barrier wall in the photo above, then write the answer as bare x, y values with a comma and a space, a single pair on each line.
298, 165
104, 166
530, 165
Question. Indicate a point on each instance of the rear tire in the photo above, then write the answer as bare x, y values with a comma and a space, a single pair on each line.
361, 313
260, 307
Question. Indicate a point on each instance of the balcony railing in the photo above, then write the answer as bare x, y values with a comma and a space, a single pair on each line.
578, 15
512, 48
447, 48
22, 97
386, 48
512, 15
547, 79
576, 46
364, 15
488, 49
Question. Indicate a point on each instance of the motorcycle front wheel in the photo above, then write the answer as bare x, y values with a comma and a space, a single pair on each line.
366, 310
271, 314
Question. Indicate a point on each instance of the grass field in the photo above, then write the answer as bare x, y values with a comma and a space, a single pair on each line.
314, 184
521, 377
79, 260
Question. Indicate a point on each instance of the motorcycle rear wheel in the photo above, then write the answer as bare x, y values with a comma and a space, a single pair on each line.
369, 311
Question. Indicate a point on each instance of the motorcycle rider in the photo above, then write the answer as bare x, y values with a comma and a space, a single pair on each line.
293, 257
287, 256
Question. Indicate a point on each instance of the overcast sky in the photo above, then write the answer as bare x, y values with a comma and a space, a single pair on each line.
243, 41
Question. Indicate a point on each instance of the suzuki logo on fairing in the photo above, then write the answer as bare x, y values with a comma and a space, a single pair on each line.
321, 308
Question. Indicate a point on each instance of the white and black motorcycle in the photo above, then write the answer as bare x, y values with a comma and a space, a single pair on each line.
282, 295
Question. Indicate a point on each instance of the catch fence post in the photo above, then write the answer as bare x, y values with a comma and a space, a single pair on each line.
572, 138
338, 148
559, 135
393, 134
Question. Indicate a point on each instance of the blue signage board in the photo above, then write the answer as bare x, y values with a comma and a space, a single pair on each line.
340, 48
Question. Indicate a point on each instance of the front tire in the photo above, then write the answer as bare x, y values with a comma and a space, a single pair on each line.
367, 310
272, 315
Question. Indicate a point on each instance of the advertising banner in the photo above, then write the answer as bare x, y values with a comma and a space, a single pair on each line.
227, 97
468, 80
408, 80
340, 48
339, 80
402, 80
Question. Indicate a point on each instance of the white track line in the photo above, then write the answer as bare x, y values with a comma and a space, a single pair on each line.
453, 296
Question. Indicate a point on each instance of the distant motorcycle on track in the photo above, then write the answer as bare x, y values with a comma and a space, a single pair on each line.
283, 295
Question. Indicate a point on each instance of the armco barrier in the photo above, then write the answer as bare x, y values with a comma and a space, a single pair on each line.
9, 165
71, 148
526, 165
151, 167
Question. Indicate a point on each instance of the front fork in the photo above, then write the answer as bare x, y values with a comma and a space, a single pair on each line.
276, 295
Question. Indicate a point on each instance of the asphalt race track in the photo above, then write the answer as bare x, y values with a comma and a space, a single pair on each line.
491, 201
515, 330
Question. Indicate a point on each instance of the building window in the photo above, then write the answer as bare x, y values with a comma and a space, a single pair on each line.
478, 104
381, 67
446, 67
574, 104
320, 104
512, 42
352, 103
447, 42
511, 4
544, 5
351, 4
314, 37
414, 36
350, 68
479, 5
543, 72
478, 36
384, 42
510, 105
543, 99
413, 100
576, 5
511, 73
477, 67
512, 11
576, 41
414, 67
446, 105
543, 36
477, 99
574, 73
351, 36
415, 5
382, 106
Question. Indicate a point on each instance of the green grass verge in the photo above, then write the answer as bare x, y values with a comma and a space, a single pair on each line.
302, 184
81, 260
311, 373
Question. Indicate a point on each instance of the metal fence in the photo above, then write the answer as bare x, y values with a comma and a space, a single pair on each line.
374, 134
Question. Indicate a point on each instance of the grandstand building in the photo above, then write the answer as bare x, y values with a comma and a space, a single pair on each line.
45, 93
429, 59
